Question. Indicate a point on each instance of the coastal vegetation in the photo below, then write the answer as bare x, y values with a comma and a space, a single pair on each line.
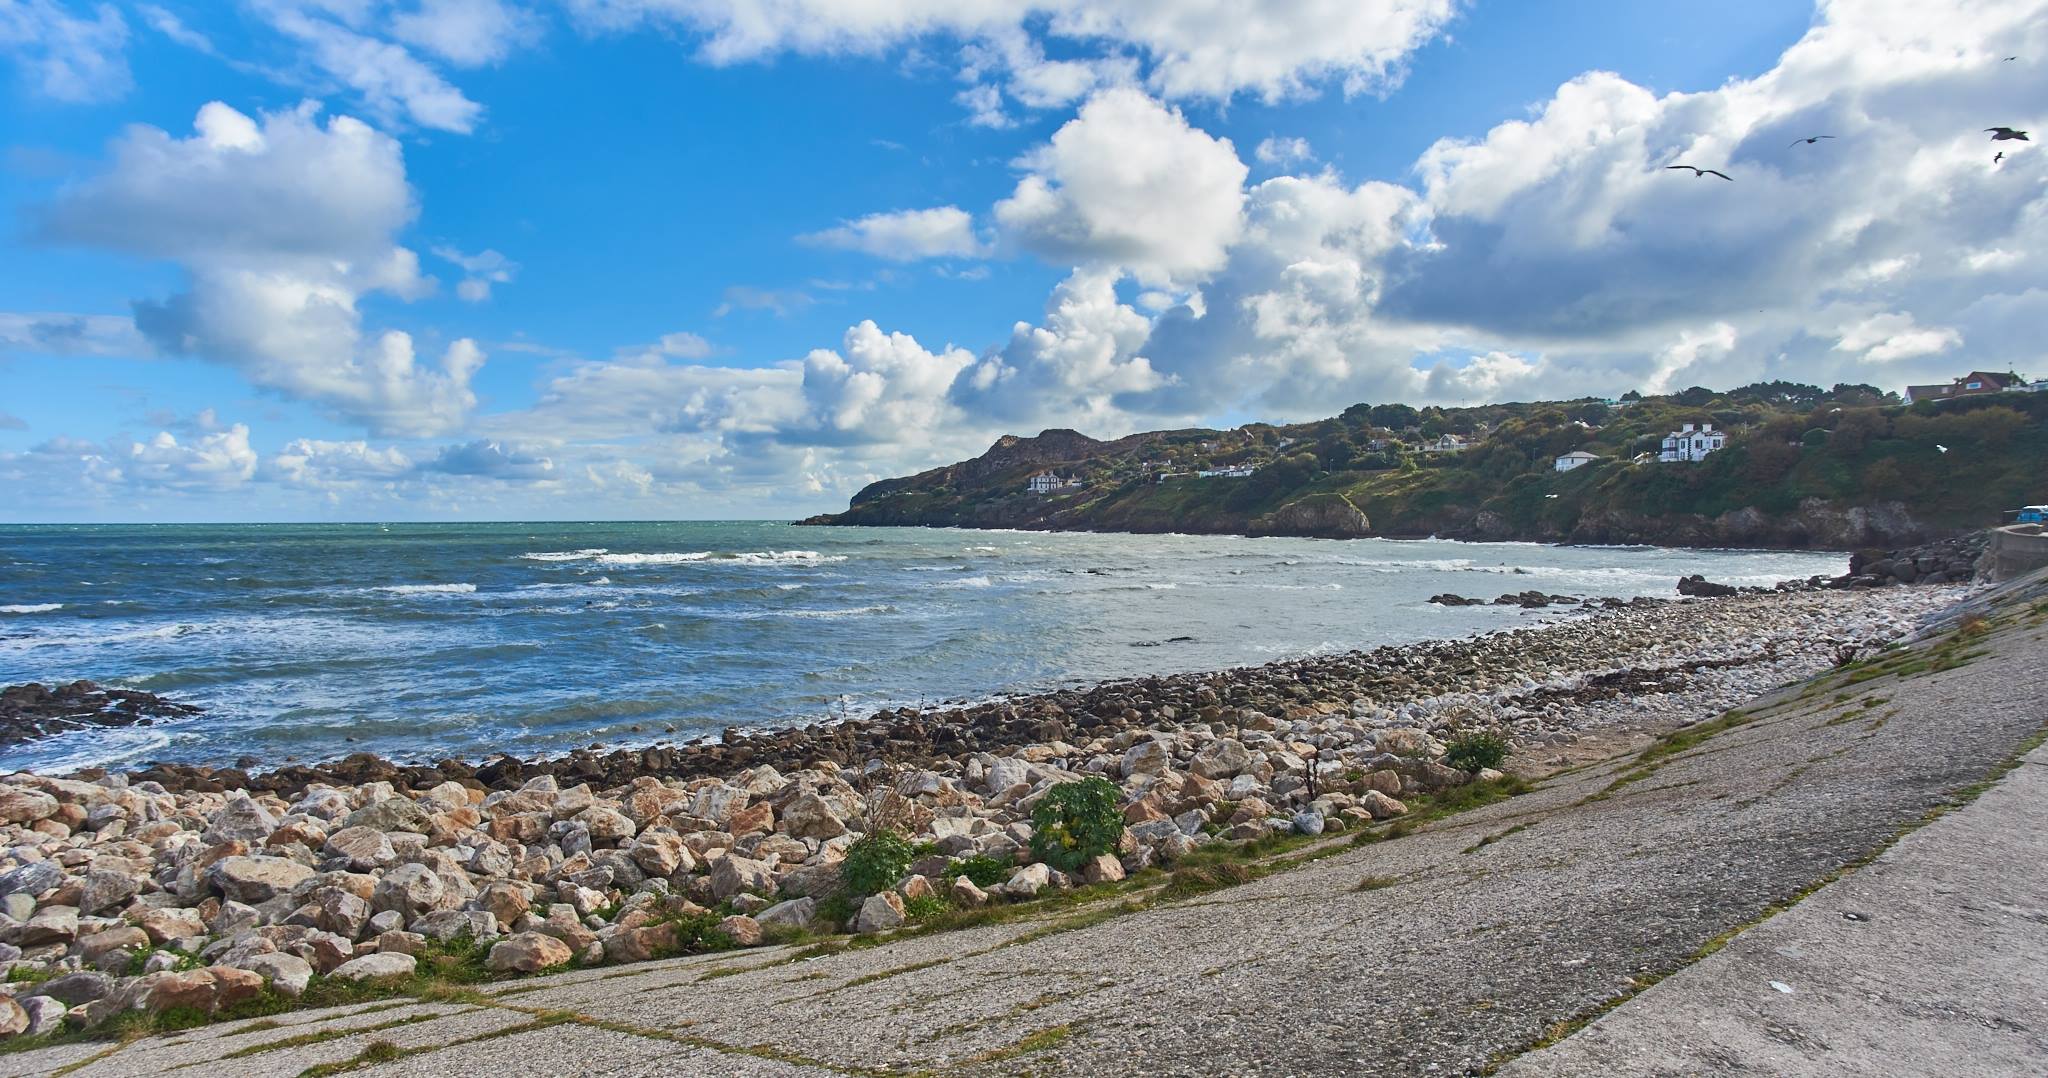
1844, 467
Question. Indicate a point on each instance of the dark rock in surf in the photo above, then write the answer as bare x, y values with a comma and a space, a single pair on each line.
34, 710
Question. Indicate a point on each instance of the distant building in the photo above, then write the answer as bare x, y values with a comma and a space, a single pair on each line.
1449, 443
1577, 458
1235, 471
1048, 483
1691, 443
1973, 384
2037, 386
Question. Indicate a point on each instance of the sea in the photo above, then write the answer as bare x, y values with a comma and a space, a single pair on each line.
423, 641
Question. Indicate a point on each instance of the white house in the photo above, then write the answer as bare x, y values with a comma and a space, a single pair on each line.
1577, 458
1048, 483
1235, 471
1692, 443
1449, 443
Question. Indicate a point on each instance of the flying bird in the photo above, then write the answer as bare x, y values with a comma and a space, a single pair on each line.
1699, 172
1809, 141
2001, 134
1997, 157
1941, 448
2008, 59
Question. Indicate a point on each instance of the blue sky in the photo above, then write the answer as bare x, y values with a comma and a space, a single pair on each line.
359, 259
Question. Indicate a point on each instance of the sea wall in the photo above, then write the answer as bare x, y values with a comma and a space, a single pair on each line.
2014, 552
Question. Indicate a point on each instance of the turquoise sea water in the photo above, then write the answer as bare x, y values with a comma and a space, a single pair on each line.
429, 640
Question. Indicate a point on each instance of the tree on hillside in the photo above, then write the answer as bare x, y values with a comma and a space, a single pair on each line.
1395, 416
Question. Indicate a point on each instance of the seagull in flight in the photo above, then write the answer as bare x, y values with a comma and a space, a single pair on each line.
1941, 448
2001, 134
1997, 157
1809, 141
1699, 172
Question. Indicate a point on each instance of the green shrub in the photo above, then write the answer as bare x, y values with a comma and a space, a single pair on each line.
1474, 752
923, 906
836, 910
984, 871
698, 933
1076, 822
875, 862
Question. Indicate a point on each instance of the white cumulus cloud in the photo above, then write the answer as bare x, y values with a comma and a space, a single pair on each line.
1128, 182
282, 224
906, 235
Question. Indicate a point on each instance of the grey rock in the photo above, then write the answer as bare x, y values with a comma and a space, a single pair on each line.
287, 973
376, 967
31, 879
76, 989
45, 1015
256, 880
391, 814
241, 820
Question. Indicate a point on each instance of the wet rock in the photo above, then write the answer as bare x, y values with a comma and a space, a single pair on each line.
34, 710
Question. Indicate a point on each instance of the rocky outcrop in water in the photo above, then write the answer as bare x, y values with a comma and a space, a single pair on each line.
1318, 516
35, 710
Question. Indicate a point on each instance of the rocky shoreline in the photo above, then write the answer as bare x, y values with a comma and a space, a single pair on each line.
206, 889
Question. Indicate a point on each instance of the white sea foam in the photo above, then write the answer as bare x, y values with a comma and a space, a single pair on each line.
787, 587
844, 612
969, 582
563, 555
653, 559
752, 557
30, 608
771, 557
428, 589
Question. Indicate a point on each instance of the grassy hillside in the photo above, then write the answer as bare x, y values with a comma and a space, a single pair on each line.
1804, 467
